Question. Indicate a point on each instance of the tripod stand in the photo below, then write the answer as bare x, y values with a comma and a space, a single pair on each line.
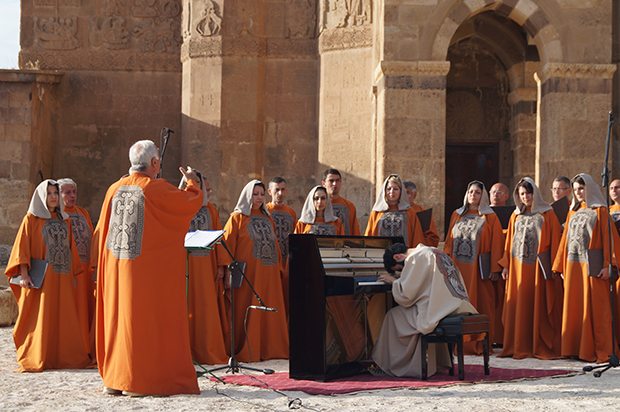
613, 361
234, 366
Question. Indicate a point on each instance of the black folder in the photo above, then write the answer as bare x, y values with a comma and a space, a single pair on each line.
595, 261
560, 207
425, 216
503, 214
484, 265
36, 272
544, 262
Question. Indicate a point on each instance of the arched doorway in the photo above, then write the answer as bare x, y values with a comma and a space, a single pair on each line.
490, 129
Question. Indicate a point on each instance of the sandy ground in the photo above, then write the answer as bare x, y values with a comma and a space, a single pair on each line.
81, 390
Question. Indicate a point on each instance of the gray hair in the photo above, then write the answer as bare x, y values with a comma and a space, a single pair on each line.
66, 181
140, 155
410, 185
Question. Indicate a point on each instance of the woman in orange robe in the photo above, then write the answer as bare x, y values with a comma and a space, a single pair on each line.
250, 237
392, 215
532, 316
82, 228
586, 320
475, 235
208, 325
317, 215
49, 333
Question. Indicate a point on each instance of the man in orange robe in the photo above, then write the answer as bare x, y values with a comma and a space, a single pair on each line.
142, 332
498, 196
532, 315
586, 320
208, 323
82, 228
343, 208
431, 238
284, 219
48, 333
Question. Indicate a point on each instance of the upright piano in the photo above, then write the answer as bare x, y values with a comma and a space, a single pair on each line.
336, 304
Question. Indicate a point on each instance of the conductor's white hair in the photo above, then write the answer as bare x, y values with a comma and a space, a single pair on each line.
140, 155
66, 181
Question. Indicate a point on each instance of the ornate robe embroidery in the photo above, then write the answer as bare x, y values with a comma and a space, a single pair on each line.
58, 250
126, 223
82, 236
263, 240
451, 275
580, 230
284, 227
202, 221
394, 224
342, 211
322, 229
466, 233
527, 237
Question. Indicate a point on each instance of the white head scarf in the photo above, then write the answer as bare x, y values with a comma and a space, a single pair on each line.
381, 204
244, 204
594, 196
538, 203
38, 203
308, 212
203, 185
485, 205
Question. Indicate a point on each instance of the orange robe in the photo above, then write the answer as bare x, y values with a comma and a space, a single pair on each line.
284, 219
396, 223
49, 332
208, 324
319, 227
533, 309
469, 236
251, 239
82, 228
431, 238
499, 287
142, 329
345, 210
586, 320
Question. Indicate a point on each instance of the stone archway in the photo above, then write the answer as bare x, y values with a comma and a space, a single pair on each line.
490, 105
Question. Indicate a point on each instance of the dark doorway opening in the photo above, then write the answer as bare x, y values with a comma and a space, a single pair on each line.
464, 163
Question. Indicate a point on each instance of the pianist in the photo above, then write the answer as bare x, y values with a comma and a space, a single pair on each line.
429, 288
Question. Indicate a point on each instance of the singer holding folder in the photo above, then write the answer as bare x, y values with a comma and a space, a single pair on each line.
533, 307
474, 242
583, 259
48, 333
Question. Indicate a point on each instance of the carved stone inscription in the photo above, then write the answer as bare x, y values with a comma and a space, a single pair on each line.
346, 13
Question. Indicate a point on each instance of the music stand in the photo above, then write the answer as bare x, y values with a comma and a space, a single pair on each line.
234, 366
199, 240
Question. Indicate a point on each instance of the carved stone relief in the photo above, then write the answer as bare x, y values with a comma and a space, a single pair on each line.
56, 33
209, 19
346, 13
157, 35
301, 19
110, 32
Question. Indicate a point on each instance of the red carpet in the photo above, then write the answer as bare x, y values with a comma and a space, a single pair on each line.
366, 382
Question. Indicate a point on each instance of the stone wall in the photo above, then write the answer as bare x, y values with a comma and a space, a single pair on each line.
121, 83
28, 109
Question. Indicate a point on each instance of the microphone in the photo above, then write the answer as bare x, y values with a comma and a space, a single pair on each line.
265, 308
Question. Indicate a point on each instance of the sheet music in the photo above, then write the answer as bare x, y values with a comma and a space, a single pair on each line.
202, 239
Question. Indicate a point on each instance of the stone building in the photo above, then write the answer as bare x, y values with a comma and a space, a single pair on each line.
439, 91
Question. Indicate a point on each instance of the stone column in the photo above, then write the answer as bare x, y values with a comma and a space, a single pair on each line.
411, 126
27, 118
574, 103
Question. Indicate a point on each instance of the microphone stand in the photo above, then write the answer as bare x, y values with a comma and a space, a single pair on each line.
164, 136
234, 366
613, 361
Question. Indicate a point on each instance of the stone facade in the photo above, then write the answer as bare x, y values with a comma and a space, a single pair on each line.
291, 87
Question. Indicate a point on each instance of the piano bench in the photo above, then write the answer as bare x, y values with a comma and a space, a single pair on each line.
451, 330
